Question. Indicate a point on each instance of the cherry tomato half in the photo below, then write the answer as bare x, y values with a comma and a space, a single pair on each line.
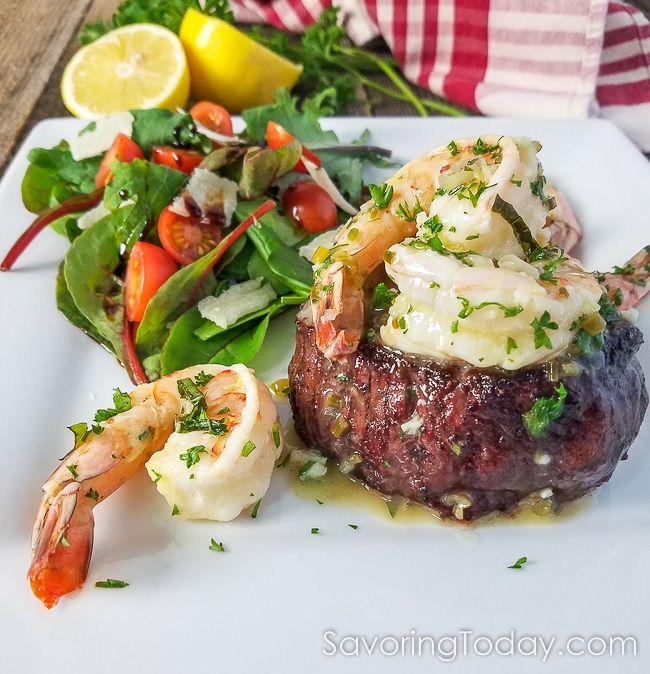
214, 116
277, 136
176, 158
148, 268
310, 206
124, 150
187, 238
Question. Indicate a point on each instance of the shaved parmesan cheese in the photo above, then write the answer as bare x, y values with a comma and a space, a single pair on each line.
97, 213
208, 192
97, 138
239, 300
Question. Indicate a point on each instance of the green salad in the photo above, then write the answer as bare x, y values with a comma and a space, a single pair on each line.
184, 241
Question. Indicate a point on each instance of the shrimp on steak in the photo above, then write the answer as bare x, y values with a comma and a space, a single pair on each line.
235, 442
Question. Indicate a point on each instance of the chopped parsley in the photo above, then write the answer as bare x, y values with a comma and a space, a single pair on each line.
543, 412
383, 296
111, 583
217, 547
192, 455
519, 563
453, 148
467, 308
481, 148
197, 418
93, 494
409, 215
122, 402
381, 194
202, 378
315, 530
175, 510
540, 326
256, 507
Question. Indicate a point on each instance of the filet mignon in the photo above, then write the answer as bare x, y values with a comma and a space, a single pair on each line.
453, 436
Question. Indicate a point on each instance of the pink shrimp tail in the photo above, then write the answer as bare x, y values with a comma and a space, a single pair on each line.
61, 559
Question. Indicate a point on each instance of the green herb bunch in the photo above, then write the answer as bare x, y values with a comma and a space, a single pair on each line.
331, 62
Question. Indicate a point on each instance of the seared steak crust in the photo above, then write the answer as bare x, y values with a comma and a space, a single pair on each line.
465, 449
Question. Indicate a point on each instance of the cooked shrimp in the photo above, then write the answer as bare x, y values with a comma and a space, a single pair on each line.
216, 475
562, 223
507, 313
626, 286
114, 449
487, 190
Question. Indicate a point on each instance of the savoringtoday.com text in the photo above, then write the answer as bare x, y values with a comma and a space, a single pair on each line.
465, 642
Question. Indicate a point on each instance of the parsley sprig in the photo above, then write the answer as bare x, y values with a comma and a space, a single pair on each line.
543, 412
329, 58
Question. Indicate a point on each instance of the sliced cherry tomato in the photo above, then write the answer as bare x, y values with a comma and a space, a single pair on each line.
124, 150
186, 238
148, 268
181, 160
277, 136
310, 206
214, 116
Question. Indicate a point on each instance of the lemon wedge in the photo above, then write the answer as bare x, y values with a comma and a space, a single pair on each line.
228, 67
137, 66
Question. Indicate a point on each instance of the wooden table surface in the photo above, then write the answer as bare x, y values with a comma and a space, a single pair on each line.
37, 39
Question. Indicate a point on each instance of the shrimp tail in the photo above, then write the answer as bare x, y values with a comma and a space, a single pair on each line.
339, 317
626, 286
63, 542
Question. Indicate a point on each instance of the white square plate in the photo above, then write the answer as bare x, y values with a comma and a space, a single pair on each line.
371, 599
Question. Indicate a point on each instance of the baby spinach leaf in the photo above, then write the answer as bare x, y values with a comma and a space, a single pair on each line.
54, 176
244, 346
66, 305
184, 348
151, 186
96, 290
157, 126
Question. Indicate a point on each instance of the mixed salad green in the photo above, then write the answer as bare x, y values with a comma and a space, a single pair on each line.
260, 242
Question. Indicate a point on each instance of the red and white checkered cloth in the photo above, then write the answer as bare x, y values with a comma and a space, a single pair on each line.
507, 58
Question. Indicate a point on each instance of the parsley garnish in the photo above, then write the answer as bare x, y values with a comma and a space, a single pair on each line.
175, 510
453, 148
315, 530
111, 582
383, 296
540, 325
543, 412
508, 312
519, 563
217, 547
408, 214
192, 455
256, 507
197, 419
202, 378
381, 194
481, 148
122, 402
93, 494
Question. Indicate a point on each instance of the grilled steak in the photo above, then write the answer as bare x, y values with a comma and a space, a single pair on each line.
453, 437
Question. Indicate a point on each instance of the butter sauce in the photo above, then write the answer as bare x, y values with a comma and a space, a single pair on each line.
345, 491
